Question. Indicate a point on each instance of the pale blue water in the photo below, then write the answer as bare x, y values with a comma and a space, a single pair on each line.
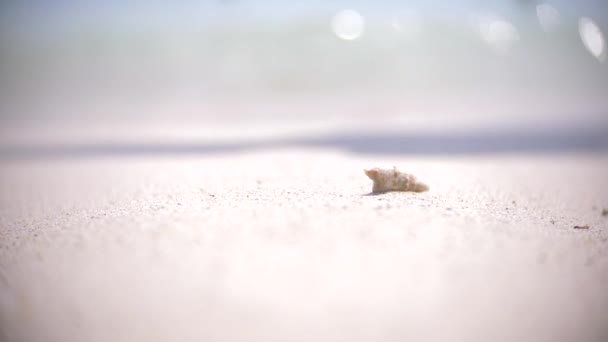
66, 58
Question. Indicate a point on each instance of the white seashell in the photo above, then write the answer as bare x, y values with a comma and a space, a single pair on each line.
394, 180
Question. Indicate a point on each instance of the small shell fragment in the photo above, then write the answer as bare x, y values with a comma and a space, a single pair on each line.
394, 180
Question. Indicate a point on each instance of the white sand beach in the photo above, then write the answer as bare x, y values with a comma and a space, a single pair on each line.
286, 244
192, 171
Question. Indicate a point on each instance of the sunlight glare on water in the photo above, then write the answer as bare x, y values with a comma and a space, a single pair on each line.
592, 38
348, 24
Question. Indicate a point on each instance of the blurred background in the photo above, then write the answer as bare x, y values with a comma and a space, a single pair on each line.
82, 71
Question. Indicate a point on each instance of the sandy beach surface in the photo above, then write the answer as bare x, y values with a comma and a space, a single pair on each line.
192, 171
287, 245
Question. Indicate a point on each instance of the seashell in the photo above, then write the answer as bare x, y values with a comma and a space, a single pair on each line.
394, 180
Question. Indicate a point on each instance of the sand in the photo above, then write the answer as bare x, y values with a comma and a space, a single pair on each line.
287, 245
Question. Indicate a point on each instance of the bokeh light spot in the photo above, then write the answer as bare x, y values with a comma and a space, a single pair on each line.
548, 17
498, 33
407, 23
592, 38
348, 24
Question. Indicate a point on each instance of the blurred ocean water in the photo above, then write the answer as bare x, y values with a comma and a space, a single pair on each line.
246, 61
